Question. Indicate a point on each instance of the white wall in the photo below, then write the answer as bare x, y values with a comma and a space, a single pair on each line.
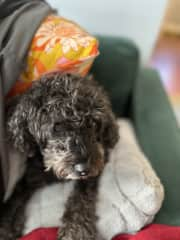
137, 19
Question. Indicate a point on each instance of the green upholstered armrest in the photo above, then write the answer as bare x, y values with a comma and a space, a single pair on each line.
158, 134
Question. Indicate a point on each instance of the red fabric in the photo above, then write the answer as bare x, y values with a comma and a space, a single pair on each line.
151, 232
154, 232
42, 234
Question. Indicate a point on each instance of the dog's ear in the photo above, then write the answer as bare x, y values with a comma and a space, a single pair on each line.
20, 111
17, 125
110, 131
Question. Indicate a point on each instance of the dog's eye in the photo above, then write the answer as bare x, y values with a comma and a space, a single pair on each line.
57, 127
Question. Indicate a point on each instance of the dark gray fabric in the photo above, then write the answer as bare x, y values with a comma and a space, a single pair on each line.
16, 32
3, 154
9, 6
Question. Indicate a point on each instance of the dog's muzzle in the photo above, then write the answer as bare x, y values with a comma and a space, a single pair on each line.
81, 169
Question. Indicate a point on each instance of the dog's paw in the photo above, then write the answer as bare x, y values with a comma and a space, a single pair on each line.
64, 234
74, 232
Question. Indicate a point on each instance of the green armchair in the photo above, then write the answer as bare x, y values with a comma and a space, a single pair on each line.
137, 93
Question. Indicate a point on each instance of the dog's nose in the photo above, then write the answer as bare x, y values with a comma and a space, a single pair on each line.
81, 169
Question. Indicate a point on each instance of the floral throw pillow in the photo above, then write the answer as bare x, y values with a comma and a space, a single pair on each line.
58, 45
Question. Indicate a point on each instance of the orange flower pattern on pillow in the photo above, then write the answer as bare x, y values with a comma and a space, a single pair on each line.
58, 45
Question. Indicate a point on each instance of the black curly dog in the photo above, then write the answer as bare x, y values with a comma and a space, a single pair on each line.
64, 126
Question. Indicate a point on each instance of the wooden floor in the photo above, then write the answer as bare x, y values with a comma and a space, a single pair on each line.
166, 59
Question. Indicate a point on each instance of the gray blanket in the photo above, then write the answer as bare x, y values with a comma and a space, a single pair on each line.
19, 21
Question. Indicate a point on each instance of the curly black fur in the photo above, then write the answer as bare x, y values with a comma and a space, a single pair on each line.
69, 121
